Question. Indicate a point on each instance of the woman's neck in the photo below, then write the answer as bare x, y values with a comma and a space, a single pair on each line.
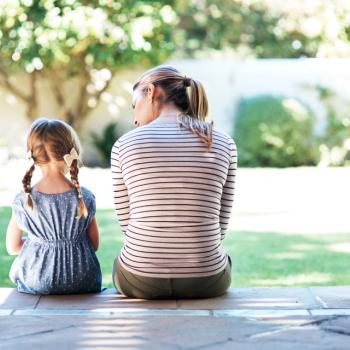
168, 114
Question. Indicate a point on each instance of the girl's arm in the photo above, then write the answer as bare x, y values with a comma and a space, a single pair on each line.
14, 239
93, 233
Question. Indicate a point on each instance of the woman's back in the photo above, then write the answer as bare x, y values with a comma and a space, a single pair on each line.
173, 197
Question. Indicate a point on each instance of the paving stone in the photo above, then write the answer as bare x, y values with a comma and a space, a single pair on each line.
80, 334
116, 312
19, 327
101, 301
339, 325
266, 345
256, 298
5, 312
332, 297
139, 333
253, 313
330, 312
10, 298
307, 337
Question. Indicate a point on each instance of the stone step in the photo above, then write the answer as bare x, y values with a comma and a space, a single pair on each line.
321, 300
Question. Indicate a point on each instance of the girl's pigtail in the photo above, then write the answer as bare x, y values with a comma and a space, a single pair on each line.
27, 187
74, 170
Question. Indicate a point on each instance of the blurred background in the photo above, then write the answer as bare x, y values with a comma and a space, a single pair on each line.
277, 78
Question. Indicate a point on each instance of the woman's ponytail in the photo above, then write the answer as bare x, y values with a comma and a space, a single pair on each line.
194, 120
198, 101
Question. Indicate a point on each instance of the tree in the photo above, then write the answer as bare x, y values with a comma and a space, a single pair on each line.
88, 41
265, 28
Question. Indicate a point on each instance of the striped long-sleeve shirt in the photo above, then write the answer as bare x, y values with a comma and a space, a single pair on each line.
173, 199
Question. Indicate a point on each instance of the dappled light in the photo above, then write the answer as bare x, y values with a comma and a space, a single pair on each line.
286, 255
293, 280
343, 247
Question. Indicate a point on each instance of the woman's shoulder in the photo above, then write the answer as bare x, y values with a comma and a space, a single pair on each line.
223, 136
127, 135
136, 132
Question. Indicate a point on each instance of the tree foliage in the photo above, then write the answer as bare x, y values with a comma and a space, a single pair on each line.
89, 41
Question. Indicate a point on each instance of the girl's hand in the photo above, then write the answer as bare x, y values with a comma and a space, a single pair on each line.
93, 234
14, 239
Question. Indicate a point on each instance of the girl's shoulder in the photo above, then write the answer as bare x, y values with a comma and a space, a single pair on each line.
87, 194
19, 199
89, 200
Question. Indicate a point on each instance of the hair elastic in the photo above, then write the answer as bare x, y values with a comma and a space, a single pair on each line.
69, 157
187, 81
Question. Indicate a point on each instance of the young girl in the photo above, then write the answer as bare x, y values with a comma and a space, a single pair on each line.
58, 256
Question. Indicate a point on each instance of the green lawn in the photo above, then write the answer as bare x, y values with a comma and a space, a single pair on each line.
259, 259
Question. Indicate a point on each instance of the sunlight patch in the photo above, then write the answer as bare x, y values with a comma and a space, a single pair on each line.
303, 246
286, 255
339, 247
295, 280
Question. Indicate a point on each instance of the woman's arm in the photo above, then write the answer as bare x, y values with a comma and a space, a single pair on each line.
93, 233
228, 192
120, 191
14, 238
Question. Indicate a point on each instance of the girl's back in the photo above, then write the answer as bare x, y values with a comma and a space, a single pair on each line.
58, 256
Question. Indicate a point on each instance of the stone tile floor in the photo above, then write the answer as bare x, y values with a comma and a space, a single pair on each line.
244, 318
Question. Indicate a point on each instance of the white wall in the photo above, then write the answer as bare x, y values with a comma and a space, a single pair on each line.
225, 81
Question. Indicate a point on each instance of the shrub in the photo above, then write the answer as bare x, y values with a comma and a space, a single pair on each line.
105, 141
335, 142
274, 131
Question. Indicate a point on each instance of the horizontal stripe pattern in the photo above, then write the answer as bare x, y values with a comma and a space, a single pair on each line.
173, 198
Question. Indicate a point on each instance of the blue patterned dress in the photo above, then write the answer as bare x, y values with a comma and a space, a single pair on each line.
57, 257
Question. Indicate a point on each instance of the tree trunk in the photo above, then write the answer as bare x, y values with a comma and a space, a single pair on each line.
32, 101
74, 115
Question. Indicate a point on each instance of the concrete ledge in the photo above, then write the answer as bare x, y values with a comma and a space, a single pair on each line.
238, 301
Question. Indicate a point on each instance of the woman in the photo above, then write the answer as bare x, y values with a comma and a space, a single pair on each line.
173, 182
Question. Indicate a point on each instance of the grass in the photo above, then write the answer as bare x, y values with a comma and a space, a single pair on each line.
268, 259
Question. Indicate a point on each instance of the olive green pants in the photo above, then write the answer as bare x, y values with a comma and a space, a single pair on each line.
142, 287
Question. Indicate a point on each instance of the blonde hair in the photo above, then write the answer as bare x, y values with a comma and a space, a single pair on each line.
185, 93
51, 139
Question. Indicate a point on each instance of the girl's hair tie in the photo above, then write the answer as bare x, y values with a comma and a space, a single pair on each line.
69, 157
